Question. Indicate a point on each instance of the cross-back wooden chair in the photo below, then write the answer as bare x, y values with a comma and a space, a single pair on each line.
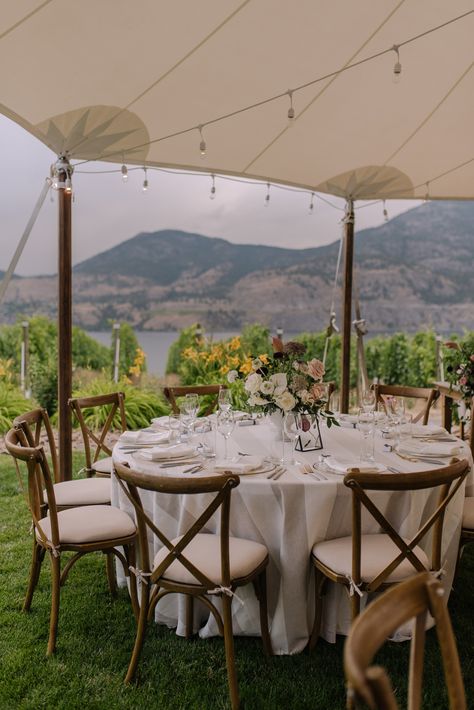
95, 442
427, 394
37, 429
171, 393
196, 564
369, 685
80, 530
368, 563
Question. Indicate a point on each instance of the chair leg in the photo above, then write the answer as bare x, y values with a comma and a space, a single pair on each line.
189, 615
130, 556
110, 568
55, 595
260, 586
140, 634
36, 560
319, 581
229, 651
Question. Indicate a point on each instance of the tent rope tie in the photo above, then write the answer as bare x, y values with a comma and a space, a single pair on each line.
353, 587
227, 591
140, 574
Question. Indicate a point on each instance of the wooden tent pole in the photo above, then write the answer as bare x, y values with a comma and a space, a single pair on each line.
64, 190
347, 306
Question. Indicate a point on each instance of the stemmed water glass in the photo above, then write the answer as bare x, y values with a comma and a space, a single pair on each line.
190, 407
365, 424
368, 400
174, 424
225, 399
225, 426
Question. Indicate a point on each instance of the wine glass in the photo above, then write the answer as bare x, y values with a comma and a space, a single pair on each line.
225, 426
174, 424
365, 424
190, 407
225, 399
368, 400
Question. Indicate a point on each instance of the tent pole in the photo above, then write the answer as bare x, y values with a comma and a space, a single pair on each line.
63, 171
347, 305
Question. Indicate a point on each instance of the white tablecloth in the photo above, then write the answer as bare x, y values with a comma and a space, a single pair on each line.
289, 516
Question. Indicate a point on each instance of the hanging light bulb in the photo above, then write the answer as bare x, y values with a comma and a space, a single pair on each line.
202, 144
427, 194
124, 171
385, 213
311, 204
68, 185
145, 182
291, 110
397, 67
213, 189
267, 196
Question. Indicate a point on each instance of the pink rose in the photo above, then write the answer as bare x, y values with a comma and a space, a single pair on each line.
472, 358
315, 369
463, 381
317, 391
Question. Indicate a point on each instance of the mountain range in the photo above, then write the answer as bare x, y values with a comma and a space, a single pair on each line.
413, 271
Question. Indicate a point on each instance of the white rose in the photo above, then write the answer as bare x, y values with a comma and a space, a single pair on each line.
296, 365
279, 382
267, 387
285, 401
253, 383
257, 364
232, 376
256, 400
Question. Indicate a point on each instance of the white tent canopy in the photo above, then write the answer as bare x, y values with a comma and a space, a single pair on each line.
131, 82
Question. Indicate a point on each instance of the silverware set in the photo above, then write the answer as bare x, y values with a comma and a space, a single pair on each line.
275, 475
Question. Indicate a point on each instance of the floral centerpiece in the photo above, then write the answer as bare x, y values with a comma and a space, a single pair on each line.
460, 369
286, 382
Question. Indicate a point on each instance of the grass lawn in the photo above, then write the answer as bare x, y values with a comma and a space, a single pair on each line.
96, 636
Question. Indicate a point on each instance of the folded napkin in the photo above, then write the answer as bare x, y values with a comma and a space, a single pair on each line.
246, 465
345, 466
413, 447
419, 430
149, 437
160, 422
175, 451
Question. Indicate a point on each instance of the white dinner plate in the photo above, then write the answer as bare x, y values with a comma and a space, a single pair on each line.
266, 467
377, 468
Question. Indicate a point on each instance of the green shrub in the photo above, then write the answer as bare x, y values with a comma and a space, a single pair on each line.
186, 339
141, 405
12, 404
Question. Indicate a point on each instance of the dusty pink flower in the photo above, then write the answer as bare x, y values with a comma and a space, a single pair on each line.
317, 391
463, 381
315, 369
472, 358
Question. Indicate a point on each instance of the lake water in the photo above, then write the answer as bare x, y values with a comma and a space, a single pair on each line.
155, 344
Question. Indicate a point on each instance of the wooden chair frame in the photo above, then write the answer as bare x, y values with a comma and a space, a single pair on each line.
39, 477
448, 479
412, 599
181, 391
130, 482
95, 444
430, 395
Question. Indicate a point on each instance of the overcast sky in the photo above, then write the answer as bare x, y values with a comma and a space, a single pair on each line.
106, 211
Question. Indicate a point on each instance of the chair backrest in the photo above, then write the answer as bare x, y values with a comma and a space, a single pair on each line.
39, 478
95, 437
426, 393
37, 430
409, 600
448, 479
181, 391
131, 481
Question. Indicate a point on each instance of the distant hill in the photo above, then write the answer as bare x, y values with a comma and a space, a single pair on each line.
413, 271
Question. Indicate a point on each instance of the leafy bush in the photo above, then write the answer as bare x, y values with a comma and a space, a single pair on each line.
186, 339
141, 405
12, 404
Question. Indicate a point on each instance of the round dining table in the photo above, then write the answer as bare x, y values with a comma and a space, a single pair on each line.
289, 515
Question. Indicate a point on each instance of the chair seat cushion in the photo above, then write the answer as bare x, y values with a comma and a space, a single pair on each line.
468, 514
205, 553
376, 553
89, 523
83, 491
103, 465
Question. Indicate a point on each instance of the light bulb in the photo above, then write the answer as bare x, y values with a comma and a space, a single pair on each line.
291, 110
397, 69
145, 185
311, 204
202, 144
385, 213
124, 170
267, 196
213, 189
68, 185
